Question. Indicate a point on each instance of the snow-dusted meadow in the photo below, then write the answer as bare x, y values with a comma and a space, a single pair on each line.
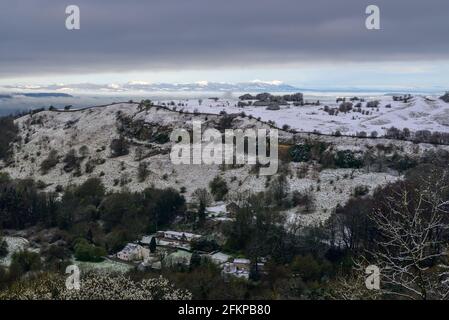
420, 113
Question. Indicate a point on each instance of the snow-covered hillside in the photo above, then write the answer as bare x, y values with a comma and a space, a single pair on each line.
420, 113
89, 132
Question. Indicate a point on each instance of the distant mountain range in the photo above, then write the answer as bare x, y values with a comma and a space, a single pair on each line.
141, 87
37, 95
214, 87
46, 95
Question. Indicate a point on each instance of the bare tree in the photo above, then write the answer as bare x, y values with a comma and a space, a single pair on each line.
352, 287
411, 252
203, 198
279, 189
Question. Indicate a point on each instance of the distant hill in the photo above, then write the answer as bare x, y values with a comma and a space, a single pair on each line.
46, 95
204, 86
61, 148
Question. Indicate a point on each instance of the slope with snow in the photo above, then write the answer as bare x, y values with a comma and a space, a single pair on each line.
95, 128
420, 113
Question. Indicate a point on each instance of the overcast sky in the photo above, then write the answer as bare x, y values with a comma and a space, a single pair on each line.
302, 42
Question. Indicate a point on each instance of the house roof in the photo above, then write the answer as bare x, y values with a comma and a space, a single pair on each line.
130, 247
242, 261
219, 256
146, 239
180, 234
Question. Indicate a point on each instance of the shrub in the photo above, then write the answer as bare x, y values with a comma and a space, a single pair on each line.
394, 133
225, 122
347, 159
71, 161
345, 107
373, 104
305, 199
119, 147
24, 262
85, 251
90, 166
50, 162
84, 151
142, 171
300, 153
219, 188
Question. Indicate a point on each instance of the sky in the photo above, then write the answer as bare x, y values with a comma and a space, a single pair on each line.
305, 43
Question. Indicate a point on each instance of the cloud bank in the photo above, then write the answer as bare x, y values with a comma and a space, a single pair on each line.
156, 35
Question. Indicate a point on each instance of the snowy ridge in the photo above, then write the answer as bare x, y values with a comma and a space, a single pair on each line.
420, 113
96, 127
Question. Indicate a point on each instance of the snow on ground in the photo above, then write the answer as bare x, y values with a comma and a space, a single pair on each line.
15, 244
335, 187
420, 113
96, 127
107, 265
218, 208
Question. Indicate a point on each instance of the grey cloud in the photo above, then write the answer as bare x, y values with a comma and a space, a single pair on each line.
137, 35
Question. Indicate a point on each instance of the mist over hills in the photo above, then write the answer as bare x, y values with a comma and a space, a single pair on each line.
20, 97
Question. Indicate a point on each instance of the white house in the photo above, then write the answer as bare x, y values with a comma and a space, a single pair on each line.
238, 268
133, 252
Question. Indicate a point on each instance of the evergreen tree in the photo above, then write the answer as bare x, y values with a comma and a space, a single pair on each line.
254, 273
153, 245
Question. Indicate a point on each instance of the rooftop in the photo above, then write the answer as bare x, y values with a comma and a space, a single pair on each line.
242, 261
180, 234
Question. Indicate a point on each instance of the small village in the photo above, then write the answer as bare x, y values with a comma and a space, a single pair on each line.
171, 249
175, 249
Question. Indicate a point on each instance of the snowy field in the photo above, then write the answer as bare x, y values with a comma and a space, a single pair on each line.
420, 113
